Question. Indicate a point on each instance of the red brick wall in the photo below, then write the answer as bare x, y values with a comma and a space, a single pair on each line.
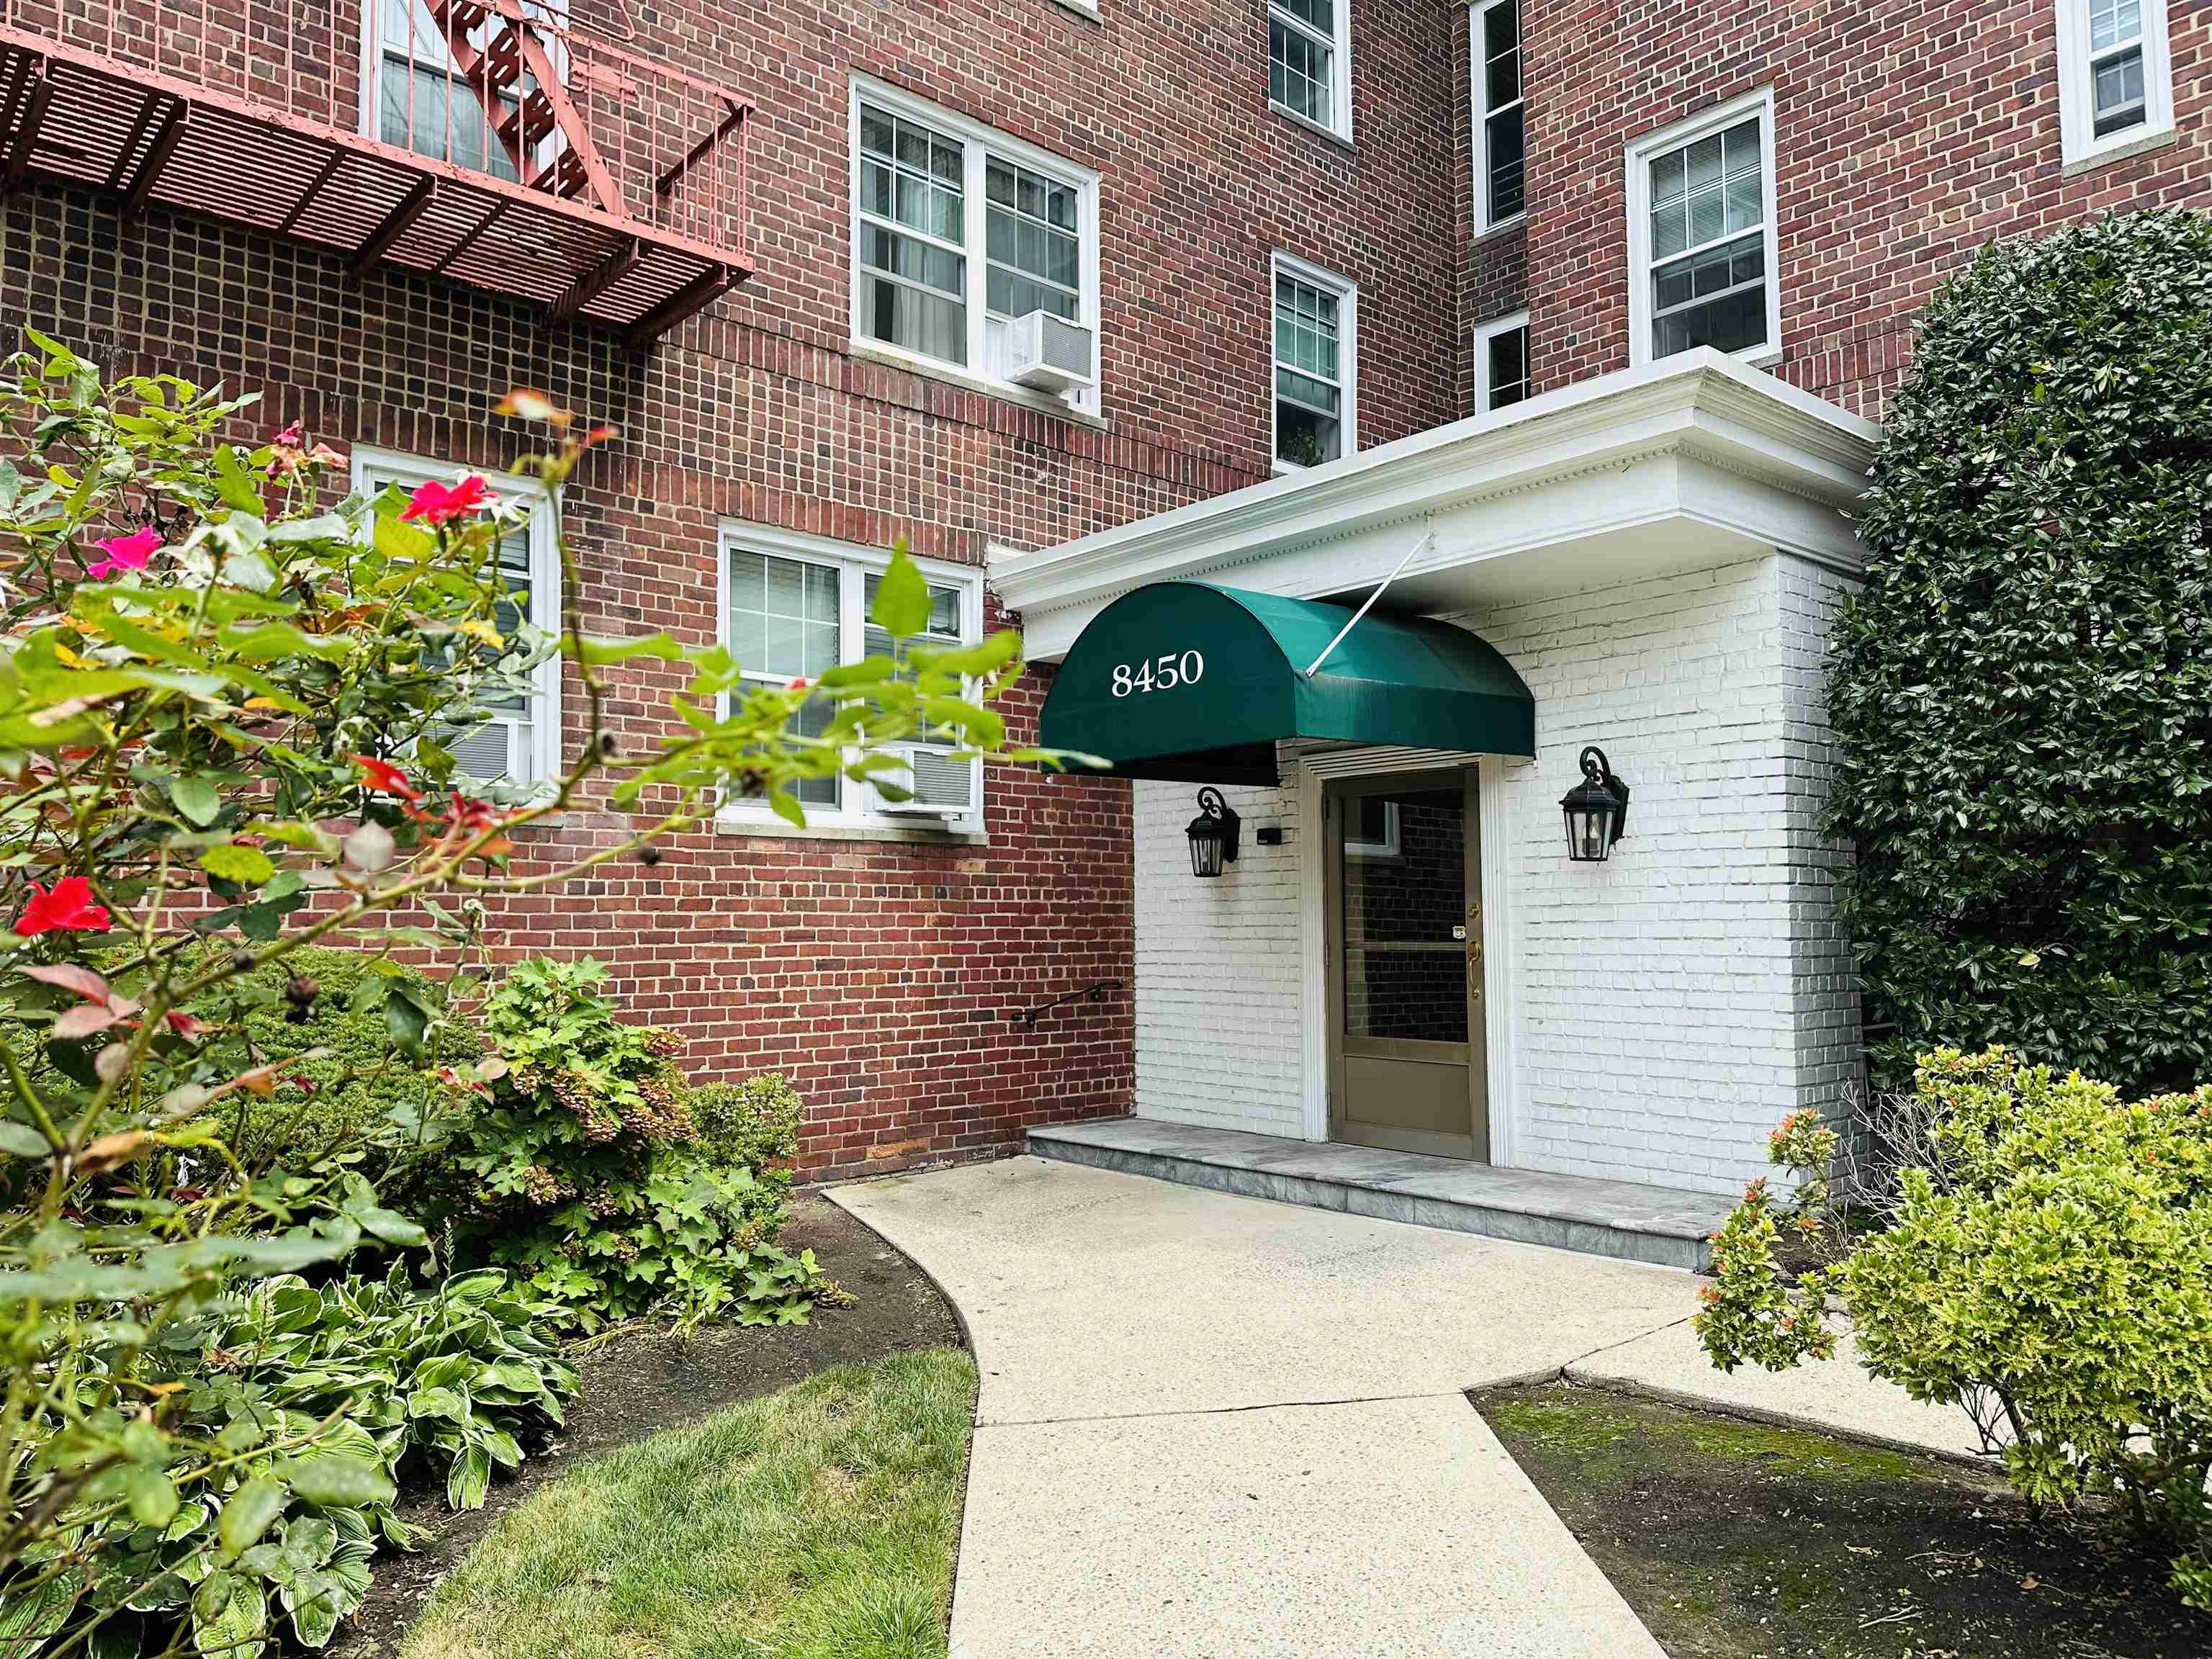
880, 975
1907, 134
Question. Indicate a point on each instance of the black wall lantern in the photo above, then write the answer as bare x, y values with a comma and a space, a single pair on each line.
1212, 834
1596, 809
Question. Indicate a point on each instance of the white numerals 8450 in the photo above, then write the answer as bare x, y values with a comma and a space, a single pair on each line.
1163, 674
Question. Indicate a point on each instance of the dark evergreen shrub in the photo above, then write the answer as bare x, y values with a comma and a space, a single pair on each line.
2022, 695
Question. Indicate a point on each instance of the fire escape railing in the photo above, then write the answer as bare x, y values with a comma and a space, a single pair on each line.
490, 141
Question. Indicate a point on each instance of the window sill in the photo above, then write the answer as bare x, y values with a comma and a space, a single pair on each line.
2126, 150
1499, 227
1081, 10
912, 835
1311, 125
1057, 409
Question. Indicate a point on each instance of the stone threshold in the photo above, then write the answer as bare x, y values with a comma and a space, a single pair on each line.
1621, 1218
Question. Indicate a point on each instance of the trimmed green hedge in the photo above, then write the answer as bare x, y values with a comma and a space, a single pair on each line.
2021, 697
343, 1091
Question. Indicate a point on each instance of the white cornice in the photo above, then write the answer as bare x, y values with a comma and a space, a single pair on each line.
1711, 442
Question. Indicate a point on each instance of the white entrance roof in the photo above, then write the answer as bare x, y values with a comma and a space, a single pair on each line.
1693, 462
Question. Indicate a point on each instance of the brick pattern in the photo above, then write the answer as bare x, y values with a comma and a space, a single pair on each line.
1906, 136
880, 975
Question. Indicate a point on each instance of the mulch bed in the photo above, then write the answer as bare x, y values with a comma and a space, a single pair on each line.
1740, 1540
641, 1381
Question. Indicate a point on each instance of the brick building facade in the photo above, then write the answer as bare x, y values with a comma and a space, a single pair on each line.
1211, 168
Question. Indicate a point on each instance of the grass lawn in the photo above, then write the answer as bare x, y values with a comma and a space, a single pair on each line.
1739, 1540
816, 1523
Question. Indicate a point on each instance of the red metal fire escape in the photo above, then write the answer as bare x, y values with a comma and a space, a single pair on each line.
489, 142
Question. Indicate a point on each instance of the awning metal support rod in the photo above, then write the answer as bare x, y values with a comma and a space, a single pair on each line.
1314, 667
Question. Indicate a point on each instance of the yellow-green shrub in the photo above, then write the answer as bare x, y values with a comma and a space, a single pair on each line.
2049, 1260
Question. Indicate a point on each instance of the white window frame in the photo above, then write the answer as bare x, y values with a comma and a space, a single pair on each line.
1339, 126
854, 809
2078, 143
978, 144
1483, 336
1348, 339
1479, 101
373, 469
1637, 166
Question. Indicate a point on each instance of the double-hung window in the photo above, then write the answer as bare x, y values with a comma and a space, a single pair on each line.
1309, 62
1500, 146
520, 742
795, 605
1501, 362
2115, 77
943, 208
1316, 364
1701, 235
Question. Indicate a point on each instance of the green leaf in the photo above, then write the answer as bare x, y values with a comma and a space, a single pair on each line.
197, 799
230, 1618
470, 1478
153, 1496
249, 867
407, 1014
235, 485
248, 1513
339, 1482
666, 647
21, 1140
902, 607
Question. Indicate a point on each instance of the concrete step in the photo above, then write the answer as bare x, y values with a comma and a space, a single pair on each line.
1621, 1218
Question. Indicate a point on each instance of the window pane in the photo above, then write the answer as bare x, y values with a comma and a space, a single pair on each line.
1508, 367
1304, 437
942, 629
1507, 194
783, 616
1036, 264
444, 121
812, 720
1718, 298
1501, 46
1318, 15
1299, 73
2119, 91
2112, 21
1705, 190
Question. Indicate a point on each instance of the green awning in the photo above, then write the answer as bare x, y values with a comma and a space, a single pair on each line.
1196, 682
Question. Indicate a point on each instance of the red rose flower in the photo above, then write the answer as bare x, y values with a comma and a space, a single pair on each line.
435, 503
67, 908
383, 775
124, 553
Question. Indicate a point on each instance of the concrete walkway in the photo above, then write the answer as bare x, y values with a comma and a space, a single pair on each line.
1214, 1425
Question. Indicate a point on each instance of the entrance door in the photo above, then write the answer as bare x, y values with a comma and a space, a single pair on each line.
1407, 1068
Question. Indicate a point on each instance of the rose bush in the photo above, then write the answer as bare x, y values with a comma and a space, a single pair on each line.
226, 691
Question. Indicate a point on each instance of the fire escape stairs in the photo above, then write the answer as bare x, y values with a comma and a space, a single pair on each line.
136, 131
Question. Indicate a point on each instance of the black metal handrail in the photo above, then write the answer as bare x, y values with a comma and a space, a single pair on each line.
1029, 1017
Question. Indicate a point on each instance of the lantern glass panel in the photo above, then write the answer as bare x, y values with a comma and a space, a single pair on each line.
1206, 853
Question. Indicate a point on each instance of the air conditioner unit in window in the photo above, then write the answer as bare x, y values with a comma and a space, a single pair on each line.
940, 785
1048, 353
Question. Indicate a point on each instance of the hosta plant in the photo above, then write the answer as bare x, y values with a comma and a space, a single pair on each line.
454, 1379
228, 694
